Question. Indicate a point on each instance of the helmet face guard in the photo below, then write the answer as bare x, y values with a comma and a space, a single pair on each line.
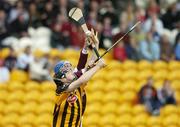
62, 68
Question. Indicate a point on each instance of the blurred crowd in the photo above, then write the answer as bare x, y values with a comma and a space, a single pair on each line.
153, 98
158, 36
38, 65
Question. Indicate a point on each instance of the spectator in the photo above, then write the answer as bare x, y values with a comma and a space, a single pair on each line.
63, 7
123, 26
140, 14
16, 17
156, 36
18, 20
153, 23
94, 5
18, 10
11, 60
166, 49
78, 37
4, 73
48, 14
99, 27
177, 38
106, 35
80, 4
141, 3
138, 34
92, 19
171, 19
3, 25
128, 14
177, 51
149, 49
132, 49
177, 47
57, 38
153, 7
107, 10
166, 94
34, 16
25, 59
119, 52
148, 96
92, 16
38, 70
66, 29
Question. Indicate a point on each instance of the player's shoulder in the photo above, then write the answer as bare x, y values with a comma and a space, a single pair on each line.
61, 89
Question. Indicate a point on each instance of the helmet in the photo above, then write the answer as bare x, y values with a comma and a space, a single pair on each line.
61, 68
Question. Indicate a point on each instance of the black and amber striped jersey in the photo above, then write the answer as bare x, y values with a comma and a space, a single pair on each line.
69, 108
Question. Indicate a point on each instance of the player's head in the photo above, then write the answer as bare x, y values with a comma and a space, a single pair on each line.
64, 72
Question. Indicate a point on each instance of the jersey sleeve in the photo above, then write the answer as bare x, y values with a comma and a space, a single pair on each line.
82, 61
78, 73
60, 98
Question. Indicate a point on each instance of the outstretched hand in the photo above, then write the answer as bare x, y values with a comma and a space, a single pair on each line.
92, 38
99, 63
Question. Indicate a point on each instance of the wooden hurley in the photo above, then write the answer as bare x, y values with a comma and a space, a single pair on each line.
76, 14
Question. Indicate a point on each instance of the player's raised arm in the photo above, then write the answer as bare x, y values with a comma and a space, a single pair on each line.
67, 81
93, 40
83, 57
86, 76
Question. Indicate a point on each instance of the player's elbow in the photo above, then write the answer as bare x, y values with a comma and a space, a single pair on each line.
74, 85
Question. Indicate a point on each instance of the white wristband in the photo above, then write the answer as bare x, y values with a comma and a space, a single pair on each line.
84, 51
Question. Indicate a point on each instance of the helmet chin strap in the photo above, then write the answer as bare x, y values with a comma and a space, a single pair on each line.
75, 78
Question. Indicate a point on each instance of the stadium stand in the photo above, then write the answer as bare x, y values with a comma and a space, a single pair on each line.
112, 100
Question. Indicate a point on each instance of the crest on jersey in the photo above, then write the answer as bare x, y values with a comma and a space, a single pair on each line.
72, 99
